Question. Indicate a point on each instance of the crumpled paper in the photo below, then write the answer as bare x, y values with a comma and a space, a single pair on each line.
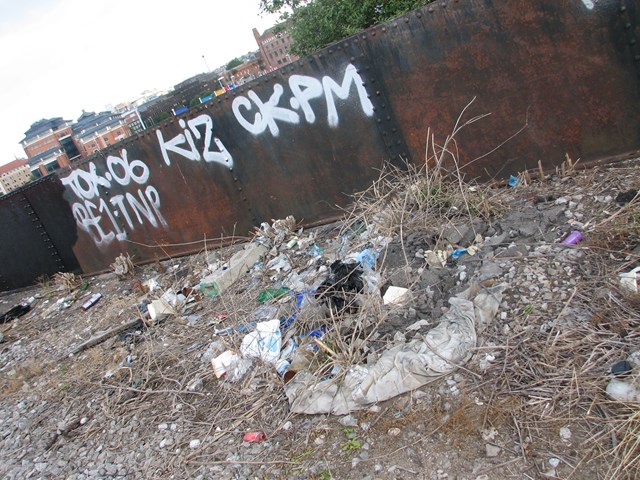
404, 367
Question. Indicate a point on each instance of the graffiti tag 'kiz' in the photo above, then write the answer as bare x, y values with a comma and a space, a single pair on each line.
99, 216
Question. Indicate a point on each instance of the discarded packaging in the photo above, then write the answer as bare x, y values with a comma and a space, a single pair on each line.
625, 386
436, 259
220, 281
271, 293
159, 310
264, 342
401, 368
396, 296
92, 301
339, 289
573, 238
15, 312
254, 437
629, 280
223, 362
458, 252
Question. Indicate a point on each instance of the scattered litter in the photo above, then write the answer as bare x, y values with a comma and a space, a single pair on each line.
625, 197
621, 369
625, 386
565, 433
264, 342
367, 258
223, 362
629, 280
316, 251
396, 296
242, 328
414, 327
437, 259
404, 367
15, 312
220, 281
458, 252
123, 266
339, 289
92, 301
272, 293
573, 238
513, 181
159, 310
254, 437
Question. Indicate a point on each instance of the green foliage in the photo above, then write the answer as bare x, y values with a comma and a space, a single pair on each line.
236, 62
352, 444
313, 24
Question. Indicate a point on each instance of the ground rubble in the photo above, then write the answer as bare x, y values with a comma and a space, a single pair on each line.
523, 396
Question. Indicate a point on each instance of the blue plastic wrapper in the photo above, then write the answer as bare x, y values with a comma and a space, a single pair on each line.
513, 181
367, 258
458, 252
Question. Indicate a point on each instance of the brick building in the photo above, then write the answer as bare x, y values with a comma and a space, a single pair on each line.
246, 72
43, 144
93, 132
274, 45
13, 175
46, 144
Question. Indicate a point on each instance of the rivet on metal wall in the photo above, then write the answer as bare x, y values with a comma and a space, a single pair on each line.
623, 8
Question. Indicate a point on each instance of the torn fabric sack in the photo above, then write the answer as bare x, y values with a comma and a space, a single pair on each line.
402, 368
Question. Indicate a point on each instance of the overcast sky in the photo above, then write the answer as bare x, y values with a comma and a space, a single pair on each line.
58, 57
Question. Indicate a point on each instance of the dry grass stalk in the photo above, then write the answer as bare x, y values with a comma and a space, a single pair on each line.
66, 280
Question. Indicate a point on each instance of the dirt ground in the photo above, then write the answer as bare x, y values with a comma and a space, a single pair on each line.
529, 400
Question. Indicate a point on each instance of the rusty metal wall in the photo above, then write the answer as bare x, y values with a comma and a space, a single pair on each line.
37, 234
557, 76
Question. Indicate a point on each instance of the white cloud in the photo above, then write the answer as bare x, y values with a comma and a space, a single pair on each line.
58, 57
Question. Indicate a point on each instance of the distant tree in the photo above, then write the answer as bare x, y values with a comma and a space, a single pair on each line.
313, 24
194, 101
236, 62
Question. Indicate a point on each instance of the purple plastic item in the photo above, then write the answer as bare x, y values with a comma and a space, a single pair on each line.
573, 238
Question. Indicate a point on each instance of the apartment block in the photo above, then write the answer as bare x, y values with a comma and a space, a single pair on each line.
13, 175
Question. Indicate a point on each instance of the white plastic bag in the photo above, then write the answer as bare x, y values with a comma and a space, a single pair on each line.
264, 342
